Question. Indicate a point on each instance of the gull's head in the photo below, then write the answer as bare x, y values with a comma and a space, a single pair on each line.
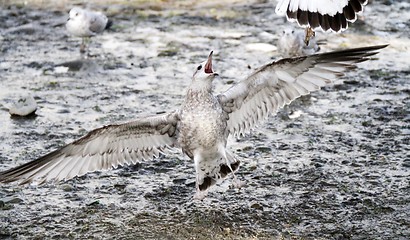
75, 13
204, 71
288, 32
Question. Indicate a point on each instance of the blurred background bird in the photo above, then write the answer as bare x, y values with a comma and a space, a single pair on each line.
85, 24
291, 43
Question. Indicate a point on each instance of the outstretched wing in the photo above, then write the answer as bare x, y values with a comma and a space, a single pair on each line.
321, 14
102, 149
279, 83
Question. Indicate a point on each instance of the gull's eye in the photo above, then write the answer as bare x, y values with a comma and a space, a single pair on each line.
293, 31
199, 67
76, 14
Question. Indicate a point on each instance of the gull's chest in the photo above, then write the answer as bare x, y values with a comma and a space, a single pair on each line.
202, 123
79, 27
204, 116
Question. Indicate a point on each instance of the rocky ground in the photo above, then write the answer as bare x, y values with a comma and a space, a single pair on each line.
333, 165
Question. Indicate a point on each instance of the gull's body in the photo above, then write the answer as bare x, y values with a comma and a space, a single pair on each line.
203, 133
200, 127
292, 44
325, 15
83, 23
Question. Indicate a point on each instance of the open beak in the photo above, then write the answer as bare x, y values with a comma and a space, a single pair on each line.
208, 65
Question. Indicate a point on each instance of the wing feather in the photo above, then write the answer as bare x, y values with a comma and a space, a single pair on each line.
281, 82
102, 149
98, 22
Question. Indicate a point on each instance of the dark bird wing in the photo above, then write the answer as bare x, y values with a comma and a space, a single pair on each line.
321, 14
102, 149
280, 82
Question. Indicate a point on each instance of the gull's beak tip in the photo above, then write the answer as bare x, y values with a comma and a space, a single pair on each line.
208, 65
210, 55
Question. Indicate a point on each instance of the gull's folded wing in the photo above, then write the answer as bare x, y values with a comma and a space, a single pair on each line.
101, 149
278, 83
321, 14
98, 22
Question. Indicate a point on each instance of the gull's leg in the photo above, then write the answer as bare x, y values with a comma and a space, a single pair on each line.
236, 183
82, 46
309, 33
199, 195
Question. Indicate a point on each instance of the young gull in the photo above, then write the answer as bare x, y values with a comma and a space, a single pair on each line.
200, 127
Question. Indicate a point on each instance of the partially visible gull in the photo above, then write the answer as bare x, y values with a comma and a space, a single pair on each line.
200, 127
83, 23
326, 15
291, 44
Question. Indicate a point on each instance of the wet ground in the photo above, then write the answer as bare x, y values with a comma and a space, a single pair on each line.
333, 165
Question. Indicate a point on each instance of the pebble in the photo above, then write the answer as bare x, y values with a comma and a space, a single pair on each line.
25, 106
257, 206
295, 114
67, 187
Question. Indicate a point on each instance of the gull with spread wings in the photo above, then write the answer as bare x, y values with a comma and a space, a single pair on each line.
200, 127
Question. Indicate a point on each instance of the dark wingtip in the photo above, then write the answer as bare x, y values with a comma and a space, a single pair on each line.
353, 52
208, 182
109, 24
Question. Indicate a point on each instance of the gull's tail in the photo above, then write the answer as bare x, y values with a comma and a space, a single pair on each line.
109, 24
210, 172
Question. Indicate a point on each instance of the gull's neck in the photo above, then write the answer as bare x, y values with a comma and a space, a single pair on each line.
200, 85
199, 93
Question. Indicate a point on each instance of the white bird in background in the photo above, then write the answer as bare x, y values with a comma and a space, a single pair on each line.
326, 15
292, 44
200, 127
83, 23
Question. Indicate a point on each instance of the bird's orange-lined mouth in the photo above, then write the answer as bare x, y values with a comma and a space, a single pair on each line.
208, 65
